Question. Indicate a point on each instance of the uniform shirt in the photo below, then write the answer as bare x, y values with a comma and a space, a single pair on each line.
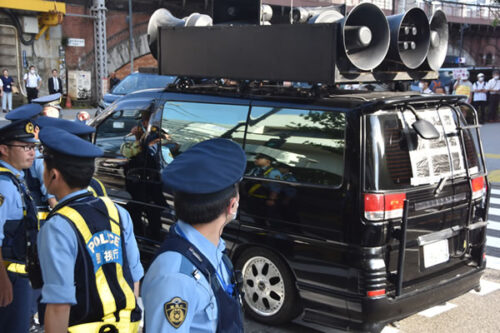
36, 170
479, 96
12, 206
31, 80
164, 282
494, 84
58, 249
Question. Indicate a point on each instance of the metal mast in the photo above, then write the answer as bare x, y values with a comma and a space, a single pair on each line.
100, 46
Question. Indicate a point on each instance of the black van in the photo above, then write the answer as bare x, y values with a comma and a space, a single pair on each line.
358, 209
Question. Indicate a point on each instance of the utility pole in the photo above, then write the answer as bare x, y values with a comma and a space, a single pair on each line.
98, 10
131, 46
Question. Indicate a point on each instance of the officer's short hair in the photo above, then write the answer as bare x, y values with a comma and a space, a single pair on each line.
203, 208
76, 172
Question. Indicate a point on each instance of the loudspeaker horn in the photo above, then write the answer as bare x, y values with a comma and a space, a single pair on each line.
266, 14
326, 14
365, 37
163, 18
410, 38
439, 40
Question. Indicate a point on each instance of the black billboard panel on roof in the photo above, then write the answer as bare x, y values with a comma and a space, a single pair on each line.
305, 53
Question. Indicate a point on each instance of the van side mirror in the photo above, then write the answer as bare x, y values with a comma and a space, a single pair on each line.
425, 129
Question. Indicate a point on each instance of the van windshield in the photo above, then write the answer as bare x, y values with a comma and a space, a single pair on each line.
397, 157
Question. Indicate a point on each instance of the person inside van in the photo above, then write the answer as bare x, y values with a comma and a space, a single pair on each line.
263, 168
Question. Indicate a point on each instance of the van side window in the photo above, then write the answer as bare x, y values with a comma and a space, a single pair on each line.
112, 132
298, 145
189, 123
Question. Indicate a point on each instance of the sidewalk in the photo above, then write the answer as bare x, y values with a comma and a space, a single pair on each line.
490, 134
67, 113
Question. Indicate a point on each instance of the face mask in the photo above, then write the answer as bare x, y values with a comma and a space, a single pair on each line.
481, 79
421, 85
32, 71
496, 77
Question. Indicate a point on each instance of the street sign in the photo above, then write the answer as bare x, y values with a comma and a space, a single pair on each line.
76, 42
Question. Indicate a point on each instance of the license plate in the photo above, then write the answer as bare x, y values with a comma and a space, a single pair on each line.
436, 253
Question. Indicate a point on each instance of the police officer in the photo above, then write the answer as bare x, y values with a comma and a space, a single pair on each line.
83, 131
34, 174
191, 285
51, 105
18, 223
88, 253
263, 168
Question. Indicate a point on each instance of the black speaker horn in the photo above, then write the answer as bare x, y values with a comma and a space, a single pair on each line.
439, 41
163, 18
410, 38
365, 37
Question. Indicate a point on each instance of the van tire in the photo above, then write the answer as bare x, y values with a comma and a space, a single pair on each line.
270, 293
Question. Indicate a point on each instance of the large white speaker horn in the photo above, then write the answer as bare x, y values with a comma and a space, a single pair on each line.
439, 40
410, 38
163, 18
365, 36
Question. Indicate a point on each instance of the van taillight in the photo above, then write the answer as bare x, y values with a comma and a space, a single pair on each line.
375, 293
478, 188
384, 206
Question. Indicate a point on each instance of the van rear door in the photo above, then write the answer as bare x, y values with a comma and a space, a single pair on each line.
443, 182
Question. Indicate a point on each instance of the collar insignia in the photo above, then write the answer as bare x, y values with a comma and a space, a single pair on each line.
176, 311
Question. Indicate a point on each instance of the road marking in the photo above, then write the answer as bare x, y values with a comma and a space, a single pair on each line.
494, 211
436, 310
493, 262
492, 155
493, 241
495, 201
486, 288
494, 176
493, 225
495, 191
390, 329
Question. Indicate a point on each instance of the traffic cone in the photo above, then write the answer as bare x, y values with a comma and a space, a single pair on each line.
68, 102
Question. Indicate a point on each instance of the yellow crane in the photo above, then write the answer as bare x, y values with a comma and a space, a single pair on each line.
51, 12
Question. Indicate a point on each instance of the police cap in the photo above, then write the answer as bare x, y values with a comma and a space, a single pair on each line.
19, 130
267, 157
24, 112
65, 143
49, 99
207, 167
73, 127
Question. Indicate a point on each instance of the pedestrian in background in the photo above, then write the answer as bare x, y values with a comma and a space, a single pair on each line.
493, 88
113, 80
480, 97
7, 82
55, 83
191, 286
33, 82
463, 87
423, 85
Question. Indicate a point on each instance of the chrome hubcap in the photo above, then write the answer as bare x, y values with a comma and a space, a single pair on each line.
263, 285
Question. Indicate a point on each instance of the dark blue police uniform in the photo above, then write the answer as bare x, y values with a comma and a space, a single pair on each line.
191, 285
18, 227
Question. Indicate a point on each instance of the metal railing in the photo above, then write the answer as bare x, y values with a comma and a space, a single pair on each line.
463, 12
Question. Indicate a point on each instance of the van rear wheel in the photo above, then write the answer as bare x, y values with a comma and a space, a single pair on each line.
270, 293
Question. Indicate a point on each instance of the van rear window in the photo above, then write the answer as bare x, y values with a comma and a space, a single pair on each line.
397, 157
